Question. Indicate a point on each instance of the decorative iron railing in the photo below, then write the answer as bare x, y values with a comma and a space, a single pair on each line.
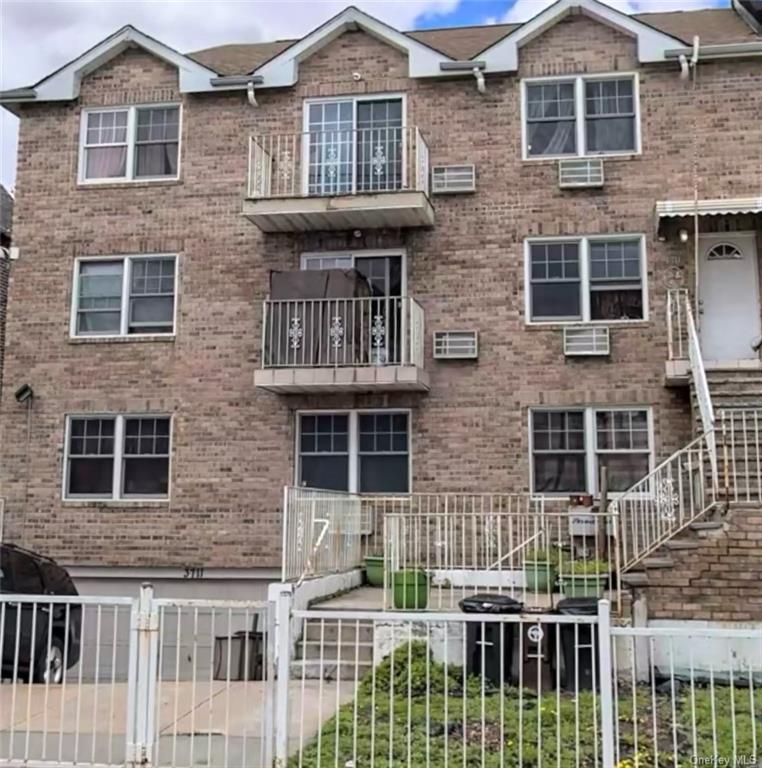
338, 162
371, 331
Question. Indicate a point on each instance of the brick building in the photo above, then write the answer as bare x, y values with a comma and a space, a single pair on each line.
508, 197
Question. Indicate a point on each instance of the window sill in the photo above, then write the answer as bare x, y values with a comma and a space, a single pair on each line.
116, 503
139, 339
561, 324
128, 183
555, 158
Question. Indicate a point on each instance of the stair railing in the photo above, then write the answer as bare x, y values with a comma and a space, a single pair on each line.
671, 497
701, 388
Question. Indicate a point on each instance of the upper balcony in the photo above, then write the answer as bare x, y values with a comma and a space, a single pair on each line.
366, 178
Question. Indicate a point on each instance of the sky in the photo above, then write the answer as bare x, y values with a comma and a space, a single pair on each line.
38, 36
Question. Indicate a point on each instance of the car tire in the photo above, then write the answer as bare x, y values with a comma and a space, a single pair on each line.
49, 668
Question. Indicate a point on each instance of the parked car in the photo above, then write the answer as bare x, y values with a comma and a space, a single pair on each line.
39, 639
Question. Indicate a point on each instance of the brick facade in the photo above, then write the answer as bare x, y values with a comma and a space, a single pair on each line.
234, 445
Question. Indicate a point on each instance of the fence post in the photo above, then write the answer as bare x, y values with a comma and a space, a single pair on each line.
607, 690
280, 597
144, 631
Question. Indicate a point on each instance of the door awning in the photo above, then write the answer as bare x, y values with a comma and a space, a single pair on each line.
666, 209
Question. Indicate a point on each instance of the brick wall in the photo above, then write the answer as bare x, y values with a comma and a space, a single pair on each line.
233, 445
720, 580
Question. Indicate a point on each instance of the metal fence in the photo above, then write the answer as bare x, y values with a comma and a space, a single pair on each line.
338, 162
370, 331
739, 432
519, 546
104, 681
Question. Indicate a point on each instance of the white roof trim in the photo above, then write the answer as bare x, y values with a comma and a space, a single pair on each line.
283, 69
674, 208
503, 56
63, 85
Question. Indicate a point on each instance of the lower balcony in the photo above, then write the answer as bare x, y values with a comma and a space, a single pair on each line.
369, 344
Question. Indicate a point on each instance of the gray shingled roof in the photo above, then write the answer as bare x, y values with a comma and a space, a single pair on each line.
712, 25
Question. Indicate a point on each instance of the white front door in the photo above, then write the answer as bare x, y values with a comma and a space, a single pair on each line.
729, 296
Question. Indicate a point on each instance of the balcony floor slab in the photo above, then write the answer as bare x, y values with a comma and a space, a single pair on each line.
388, 378
364, 211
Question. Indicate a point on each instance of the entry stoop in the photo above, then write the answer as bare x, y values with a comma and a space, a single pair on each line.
332, 649
710, 572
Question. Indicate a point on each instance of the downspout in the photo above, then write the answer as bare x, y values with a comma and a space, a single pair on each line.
250, 95
696, 254
476, 68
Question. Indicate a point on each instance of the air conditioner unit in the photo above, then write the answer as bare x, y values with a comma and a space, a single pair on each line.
578, 174
582, 342
452, 179
456, 345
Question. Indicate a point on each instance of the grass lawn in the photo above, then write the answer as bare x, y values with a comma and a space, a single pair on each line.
411, 713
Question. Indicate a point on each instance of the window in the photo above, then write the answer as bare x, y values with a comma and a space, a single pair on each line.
130, 144
117, 457
569, 448
365, 452
125, 296
590, 278
354, 145
586, 115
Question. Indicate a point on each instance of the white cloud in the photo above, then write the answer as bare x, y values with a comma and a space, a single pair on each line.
523, 10
38, 36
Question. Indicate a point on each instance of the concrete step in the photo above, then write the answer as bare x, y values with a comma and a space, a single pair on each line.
681, 544
328, 670
635, 579
707, 525
328, 631
658, 562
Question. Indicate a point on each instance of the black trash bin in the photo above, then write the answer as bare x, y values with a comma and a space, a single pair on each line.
580, 650
489, 644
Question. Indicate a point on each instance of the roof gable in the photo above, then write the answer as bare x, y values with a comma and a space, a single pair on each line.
652, 44
64, 83
283, 68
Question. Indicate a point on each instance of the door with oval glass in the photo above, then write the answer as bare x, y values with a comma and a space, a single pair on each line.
729, 324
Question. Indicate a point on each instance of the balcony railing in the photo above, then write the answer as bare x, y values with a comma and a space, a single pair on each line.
338, 162
357, 332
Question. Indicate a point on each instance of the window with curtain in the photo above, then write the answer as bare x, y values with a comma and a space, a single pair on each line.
578, 116
156, 142
569, 448
131, 295
551, 119
622, 445
131, 143
610, 115
586, 279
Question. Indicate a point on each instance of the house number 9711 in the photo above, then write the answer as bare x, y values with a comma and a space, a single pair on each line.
193, 573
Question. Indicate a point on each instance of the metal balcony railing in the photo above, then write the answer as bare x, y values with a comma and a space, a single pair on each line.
370, 331
338, 162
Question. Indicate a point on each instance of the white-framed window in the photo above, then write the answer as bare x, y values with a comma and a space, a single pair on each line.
124, 295
354, 144
385, 270
135, 143
581, 115
570, 446
586, 279
357, 451
117, 457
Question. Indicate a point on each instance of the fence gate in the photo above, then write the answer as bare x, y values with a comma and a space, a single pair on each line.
113, 682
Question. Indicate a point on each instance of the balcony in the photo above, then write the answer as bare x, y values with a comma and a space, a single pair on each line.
370, 344
342, 179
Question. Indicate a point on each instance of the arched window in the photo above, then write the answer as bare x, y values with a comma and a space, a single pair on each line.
724, 251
